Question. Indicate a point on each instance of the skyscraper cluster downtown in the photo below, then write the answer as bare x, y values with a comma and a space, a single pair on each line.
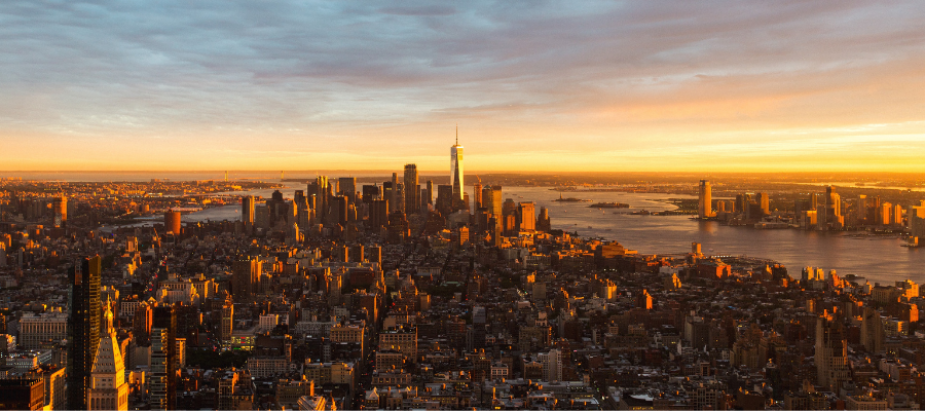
96, 374
414, 291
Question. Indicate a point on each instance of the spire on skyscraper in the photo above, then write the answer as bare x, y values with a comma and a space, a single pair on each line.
457, 134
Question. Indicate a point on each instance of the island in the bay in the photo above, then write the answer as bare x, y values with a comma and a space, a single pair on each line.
609, 205
572, 200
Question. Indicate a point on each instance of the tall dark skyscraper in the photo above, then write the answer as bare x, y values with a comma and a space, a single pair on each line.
477, 194
348, 187
457, 176
412, 193
378, 214
339, 207
245, 275
371, 192
430, 192
400, 198
247, 211
445, 197
394, 200
83, 328
164, 359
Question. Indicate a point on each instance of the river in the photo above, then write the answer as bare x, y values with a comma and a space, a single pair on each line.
879, 259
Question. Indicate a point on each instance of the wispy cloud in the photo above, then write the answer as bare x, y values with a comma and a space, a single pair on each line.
284, 82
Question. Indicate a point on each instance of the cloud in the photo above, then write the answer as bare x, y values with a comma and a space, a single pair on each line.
424, 10
389, 80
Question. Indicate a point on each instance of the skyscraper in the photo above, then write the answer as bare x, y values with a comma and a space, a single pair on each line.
394, 200
765, 203
552, 365
60, 208
371, 192
477, 195
400, 198
833, 204
245, 275
348, 187
526, 216
412, 193
871, 330
831, 355
456, 168
108, 389
917, 220
445, 197
247, 212
319, 188
164, 359
705, 207
430, 192
172, 222
227, 326
496, 203
378, 214
83, 329
542, 222
339, 207
861, 208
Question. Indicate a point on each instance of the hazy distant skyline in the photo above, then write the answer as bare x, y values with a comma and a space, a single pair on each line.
534, 86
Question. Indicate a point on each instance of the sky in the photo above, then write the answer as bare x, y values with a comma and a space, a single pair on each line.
532, 85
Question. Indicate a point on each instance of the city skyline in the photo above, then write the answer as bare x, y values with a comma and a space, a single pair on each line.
696, 87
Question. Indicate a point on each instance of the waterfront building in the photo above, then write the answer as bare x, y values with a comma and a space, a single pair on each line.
917, 220
705, 202
765, 203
